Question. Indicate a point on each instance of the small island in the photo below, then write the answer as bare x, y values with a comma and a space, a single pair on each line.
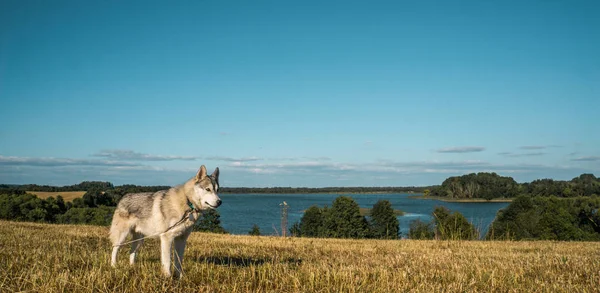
446, 199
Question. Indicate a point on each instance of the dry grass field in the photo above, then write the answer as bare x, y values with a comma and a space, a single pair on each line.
64, 258
67, 195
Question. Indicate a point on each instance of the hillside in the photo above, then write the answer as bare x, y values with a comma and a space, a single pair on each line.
57, 258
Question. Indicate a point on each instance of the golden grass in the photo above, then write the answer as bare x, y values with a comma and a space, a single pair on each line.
67, 195
66, 258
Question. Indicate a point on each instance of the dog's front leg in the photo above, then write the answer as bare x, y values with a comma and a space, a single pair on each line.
179, 250
165, 254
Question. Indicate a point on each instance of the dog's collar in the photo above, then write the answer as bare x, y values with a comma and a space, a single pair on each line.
191, 205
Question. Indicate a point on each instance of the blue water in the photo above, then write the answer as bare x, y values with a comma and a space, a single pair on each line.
240, 211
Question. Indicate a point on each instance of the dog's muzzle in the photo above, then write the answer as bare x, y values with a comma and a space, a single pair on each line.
219, 202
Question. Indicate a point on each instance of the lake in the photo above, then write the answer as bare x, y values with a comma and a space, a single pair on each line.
240, 211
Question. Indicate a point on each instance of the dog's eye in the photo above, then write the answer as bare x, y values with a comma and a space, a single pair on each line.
208, 189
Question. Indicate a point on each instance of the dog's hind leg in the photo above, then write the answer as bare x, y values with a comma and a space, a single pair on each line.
119, 230
117, 238
135, 246
178, 258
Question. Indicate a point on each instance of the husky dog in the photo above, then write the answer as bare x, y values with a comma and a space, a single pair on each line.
169, 214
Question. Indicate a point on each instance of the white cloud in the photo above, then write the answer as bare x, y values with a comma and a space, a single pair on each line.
52, 162
517, 155
231, 159
532, 147
462, 149
586, 159
539, 147
128, 155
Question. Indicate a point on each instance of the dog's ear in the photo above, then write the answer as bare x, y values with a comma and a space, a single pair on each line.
201, 173
215, 175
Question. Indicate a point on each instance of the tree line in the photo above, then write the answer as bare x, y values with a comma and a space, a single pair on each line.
84, 186
343, 220
548, 218
491, 185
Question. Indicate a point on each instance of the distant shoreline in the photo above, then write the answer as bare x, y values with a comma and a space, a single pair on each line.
324, 192
445, 199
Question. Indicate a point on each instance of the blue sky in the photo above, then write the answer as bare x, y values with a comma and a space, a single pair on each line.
313, 94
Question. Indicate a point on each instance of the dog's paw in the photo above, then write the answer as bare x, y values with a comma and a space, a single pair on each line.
166, 274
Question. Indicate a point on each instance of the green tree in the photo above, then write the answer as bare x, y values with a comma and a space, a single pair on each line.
8, 208
32, 209
54, 207
79, 203
89, 198
36, 215
384, 223
255, 231
311, 223
94, 198
344, 220
210, 221
440, 215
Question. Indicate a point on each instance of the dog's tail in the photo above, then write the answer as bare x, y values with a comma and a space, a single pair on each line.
120, 224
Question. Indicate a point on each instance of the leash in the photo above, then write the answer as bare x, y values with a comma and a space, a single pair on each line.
185, 215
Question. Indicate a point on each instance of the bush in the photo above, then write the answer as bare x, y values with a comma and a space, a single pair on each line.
295, 230
255, 231
101, 216
452, 226
421, 230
